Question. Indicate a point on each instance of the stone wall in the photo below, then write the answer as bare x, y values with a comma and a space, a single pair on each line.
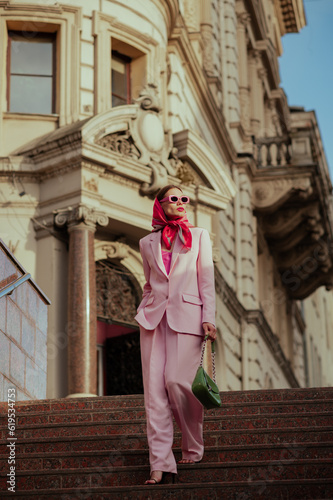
23, 333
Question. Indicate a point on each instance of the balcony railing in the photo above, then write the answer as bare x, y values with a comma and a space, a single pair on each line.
272, 151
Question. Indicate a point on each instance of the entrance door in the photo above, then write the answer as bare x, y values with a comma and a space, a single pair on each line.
119, 360
118, 337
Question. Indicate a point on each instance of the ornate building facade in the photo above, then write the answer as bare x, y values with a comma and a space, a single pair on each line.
100, 108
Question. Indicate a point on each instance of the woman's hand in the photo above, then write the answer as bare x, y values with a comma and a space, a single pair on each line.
209, 330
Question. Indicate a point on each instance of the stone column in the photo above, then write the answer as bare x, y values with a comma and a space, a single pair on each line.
82, 319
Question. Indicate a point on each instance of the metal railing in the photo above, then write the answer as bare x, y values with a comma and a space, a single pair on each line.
8, 289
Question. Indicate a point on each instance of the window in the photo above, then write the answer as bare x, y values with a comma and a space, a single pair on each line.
121, 79
31, 72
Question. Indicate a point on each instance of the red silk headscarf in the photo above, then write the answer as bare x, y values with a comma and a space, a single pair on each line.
171, 227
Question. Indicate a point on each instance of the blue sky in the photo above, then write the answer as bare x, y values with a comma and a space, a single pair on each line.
306, 68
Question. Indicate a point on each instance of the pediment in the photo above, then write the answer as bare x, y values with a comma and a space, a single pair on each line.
209, 172
136, 133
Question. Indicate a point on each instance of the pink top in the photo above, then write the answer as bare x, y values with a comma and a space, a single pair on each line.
166, 256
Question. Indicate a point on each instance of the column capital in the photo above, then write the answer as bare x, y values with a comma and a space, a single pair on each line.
80, 214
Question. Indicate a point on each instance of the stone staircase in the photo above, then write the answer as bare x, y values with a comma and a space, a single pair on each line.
275, 444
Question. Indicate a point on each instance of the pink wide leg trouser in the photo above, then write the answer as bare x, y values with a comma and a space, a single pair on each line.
169, 364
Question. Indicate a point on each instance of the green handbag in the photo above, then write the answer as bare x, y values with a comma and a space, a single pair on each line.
203, 387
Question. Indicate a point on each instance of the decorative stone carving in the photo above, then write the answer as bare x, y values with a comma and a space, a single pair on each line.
117, 298
159, 178
270, 194
208, 53
295, 233
243, 18
80, 213
283, 222
186, 174
151, 132
115, 250
120, 142
191, 15
310, 266
120, 252
262, 74
148, 99
207, 168
140, 135
90, 184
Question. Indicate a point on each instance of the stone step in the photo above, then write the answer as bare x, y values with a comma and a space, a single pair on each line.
219, 421
122, 458
84, 478
89, 414
261, 444
235, 437
305, 489
229, 397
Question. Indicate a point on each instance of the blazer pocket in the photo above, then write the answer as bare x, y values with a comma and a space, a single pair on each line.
192, 299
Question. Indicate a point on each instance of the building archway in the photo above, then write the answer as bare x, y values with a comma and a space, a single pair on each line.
118, 339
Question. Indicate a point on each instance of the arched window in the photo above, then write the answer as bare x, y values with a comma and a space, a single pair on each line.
118, 294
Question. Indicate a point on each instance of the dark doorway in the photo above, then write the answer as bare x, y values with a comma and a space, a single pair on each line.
118, 337
119, 360
123, 365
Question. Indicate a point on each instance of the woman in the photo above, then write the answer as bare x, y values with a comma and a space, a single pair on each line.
176, 311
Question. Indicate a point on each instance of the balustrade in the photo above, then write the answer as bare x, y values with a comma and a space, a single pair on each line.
273, 151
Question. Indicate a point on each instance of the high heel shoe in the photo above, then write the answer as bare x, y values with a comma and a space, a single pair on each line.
185, 461
152, 481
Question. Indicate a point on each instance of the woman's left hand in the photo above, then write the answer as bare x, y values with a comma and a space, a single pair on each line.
209, 330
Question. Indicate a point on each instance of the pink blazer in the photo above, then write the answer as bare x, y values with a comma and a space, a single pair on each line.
187, 294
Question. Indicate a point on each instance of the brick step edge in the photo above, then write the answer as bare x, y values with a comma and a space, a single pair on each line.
236, 490
248, 395
183, 467
244, 398
207, 419
237, 409
57, 406
327, 430
104, 460
144, 451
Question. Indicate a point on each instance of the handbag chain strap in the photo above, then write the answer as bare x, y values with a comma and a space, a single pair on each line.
213, 356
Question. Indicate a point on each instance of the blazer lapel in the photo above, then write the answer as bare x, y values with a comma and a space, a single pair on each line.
177, 248
156, 247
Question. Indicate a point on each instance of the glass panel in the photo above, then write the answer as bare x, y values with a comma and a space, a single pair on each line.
31, 94
32, 57
119, 75
118, 101
119, 84
118, 65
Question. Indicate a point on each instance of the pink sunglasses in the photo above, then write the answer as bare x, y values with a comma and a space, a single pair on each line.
174, 199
